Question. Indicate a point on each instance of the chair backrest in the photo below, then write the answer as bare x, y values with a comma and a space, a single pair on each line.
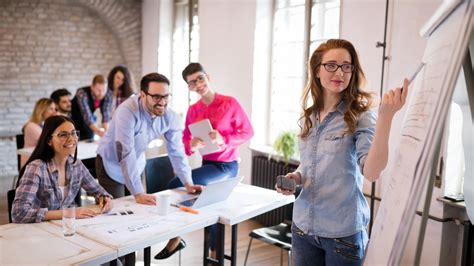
20, 143
10, 198
158, 172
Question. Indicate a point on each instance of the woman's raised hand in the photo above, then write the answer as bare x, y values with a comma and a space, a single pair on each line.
393, 100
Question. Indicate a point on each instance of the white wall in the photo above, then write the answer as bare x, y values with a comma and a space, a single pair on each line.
226, 30
150, 30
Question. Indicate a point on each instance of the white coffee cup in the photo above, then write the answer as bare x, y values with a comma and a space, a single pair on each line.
163, 203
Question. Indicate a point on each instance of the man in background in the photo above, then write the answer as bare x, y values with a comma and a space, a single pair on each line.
86, 102
137, 121
62, 99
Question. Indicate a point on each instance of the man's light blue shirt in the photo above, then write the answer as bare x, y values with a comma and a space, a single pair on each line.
331, 203
131, 130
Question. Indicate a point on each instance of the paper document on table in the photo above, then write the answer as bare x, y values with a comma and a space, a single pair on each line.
201, 130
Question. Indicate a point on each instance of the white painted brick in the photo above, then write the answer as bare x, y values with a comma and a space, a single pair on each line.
48, 44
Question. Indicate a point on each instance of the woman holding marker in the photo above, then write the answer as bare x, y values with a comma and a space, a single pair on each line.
341, 142
53, 176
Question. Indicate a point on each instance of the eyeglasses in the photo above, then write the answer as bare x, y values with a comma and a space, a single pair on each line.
158, 97
64, 135
193, 83
332, 67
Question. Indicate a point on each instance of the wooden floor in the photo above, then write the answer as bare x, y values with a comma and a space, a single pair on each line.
260, 253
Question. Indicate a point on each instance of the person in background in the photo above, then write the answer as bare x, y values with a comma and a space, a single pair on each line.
84, 104
341, 142
53, 176
62, 99
231, 129
137, 121
120, 82
44, 108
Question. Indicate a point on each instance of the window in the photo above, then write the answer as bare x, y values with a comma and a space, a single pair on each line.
185, 50
289, 53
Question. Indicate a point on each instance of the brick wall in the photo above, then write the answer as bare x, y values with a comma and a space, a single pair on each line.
48, 44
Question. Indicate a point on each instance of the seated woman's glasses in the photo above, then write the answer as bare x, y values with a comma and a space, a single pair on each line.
64, 135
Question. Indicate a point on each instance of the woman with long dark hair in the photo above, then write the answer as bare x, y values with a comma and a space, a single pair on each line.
53, 176
120, 82
341, 142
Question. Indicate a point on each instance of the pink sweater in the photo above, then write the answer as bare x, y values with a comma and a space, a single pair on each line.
32, 133
227, 117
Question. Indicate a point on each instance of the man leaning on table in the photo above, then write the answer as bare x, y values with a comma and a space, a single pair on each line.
137, 121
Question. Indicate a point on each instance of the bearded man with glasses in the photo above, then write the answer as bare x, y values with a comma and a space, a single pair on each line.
137, 121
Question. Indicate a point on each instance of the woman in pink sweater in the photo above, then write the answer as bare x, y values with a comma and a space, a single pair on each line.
44, 108
231, 129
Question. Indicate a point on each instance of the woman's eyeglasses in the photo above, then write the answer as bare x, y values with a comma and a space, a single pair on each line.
64, 135
332, 67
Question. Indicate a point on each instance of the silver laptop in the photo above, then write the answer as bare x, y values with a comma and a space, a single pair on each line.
213, 193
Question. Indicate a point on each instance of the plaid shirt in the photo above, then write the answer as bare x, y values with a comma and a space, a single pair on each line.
39, 190
83, 100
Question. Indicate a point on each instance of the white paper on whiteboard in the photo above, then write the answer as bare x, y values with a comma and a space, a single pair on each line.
201, 130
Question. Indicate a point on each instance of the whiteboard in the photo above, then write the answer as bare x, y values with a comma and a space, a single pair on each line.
409, 169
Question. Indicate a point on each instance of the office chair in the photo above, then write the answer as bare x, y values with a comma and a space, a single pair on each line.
20, 143
10, 198
158, 173
277, 235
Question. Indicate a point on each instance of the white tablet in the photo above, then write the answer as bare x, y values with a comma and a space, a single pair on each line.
201, 130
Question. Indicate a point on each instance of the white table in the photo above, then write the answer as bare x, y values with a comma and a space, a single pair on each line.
85, 150
139, 226
44, 244
144, 227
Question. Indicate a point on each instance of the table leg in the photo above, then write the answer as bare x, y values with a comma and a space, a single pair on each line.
220, 243
147, 256
233, 248
130, 259
207, 231
468, 249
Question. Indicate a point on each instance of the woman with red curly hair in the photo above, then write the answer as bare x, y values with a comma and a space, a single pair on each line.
341, 142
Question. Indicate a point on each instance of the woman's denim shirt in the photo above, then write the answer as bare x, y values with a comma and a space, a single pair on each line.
331, 203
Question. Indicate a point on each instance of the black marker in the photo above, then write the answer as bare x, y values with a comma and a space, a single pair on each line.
420, 67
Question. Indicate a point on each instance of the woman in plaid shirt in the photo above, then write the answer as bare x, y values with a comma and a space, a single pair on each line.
53, 176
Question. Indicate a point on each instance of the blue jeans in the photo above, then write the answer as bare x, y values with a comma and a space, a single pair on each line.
315, 250
210, 172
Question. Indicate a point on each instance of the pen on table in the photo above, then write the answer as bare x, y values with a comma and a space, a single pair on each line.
420, 67
102, 203
184, 208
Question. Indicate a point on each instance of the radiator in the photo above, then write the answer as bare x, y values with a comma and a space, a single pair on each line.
264, 173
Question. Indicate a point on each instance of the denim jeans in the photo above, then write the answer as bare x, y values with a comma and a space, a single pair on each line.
315, 250
210, 172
